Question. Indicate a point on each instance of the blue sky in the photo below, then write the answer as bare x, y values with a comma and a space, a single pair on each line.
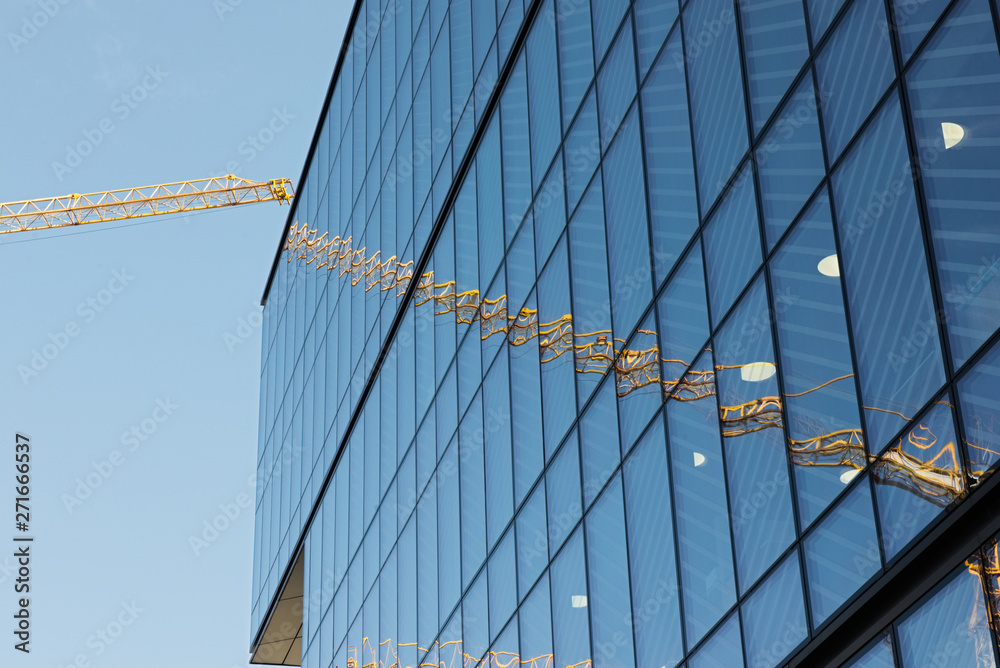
164, 92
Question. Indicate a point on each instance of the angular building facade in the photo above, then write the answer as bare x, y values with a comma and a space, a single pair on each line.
650, 333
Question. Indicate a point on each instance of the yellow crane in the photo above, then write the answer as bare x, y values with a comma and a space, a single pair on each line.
166, 198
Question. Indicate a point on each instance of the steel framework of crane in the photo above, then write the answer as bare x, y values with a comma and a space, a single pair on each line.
166, 198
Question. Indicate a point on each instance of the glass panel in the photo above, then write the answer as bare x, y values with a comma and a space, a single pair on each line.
878, 656
918, 477
497, 445
673, 201
582, 151
549, 212
576, 54
607, 14
790, 161
954, 115
704, 546
628, 233
473, 498
555, 338
724, 649
842, 553
913, 18
719, 116
599, 449
775, 46
591, 296
655, 604
535, 618
570, 605
532, 541
820, 401
503, 587
637, 382
653, 20
981, 412
475, 622
885, 270
543, 91
526, 406
821, 14
607, 567
756, 464
616, 84
951, 629
732, 244
490, 224
683, 318
774, 617
516, 149
562, 492
449, 552
853, 71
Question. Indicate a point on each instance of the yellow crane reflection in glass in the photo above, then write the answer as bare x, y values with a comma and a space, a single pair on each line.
917, 462
443, 655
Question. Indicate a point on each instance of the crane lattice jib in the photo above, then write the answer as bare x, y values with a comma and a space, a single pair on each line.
180, 197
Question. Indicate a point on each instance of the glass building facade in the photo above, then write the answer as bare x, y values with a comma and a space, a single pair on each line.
653, 333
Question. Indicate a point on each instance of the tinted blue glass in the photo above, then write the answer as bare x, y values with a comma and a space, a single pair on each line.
576, 54
516, 157
591, 296
820, 400
462, 63
526, 412
475, 638
878, 656
954, 114
562, 493
470, 370
637, 382
499, 474
918, 477
607, 567
653, 20
607, 14
774, 617
732, 244
719, 116
449, 552
821, 14
981, 412
570, 604
853, 70
491, 231
441, 102
952, 627
484, 26
616, 84
757, 468
655, 595
599, 449
774, 46
549, 213
790, 161
704, 547
543, 92
559, 406
683, 317
473, 499
503, 585
911, 19
673, 202
842, 553
886, 274
724, 649
582, 151
535, 618
628, 233
520, 269
427, 564
532, 541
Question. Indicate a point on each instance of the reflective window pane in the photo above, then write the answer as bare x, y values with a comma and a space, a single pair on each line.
774, 617
616, 84
570, 604
576, 54
954, 114
724, 649
599, 449
683, 317
879, 655
842, 553
853, 71
911, 21
981, 412
918, 477
951, 628
885, 269
562, 492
